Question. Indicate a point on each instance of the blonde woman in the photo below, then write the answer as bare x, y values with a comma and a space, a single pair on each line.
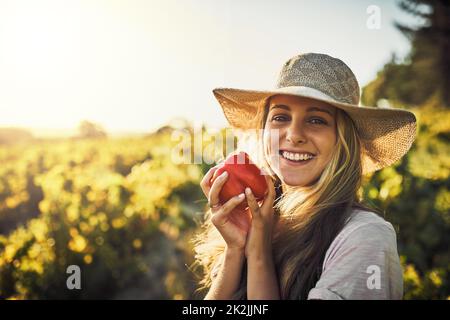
311, 237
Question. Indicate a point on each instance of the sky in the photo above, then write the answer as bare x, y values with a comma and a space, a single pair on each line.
134, 65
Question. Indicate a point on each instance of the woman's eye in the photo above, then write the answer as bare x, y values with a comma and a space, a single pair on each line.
282, 118
278, 118
319, 121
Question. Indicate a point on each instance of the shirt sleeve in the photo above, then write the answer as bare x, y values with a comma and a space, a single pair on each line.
362, 265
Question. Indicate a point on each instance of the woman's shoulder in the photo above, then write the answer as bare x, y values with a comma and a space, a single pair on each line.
366, 242
364, 218
364, 227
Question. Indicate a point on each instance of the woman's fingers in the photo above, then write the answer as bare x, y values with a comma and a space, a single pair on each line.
204, 184
267, 206
253, 204
270, 198
222, 215
217, 185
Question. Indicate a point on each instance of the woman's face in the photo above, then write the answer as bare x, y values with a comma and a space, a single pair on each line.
305, 127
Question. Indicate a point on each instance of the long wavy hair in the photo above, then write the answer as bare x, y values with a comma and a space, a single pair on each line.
309, 217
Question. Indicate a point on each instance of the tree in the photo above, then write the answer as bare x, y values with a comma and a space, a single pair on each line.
426, 72
88, 129
14, 135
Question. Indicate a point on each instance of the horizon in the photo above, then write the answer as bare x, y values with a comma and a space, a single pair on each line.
62, 132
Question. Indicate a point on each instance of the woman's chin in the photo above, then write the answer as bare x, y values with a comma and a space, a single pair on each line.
296, 180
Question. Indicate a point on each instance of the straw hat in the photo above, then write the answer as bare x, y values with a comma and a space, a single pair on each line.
386, 133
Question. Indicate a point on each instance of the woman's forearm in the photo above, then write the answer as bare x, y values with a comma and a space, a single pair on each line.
262, 282
226, 283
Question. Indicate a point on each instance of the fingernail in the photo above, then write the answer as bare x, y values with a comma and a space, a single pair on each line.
224, 174
241, 196
248, 191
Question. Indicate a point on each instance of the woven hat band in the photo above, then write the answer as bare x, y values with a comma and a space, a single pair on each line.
305, 91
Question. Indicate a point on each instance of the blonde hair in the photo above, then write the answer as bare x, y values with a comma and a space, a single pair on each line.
310, 217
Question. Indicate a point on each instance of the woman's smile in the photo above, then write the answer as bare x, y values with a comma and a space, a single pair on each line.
291, 161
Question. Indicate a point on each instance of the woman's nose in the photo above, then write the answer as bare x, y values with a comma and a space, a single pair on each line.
295, 134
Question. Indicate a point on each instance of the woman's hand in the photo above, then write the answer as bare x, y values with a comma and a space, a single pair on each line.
232, 224
259, 240
262, 281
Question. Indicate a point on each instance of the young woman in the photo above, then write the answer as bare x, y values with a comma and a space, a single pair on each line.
311, 237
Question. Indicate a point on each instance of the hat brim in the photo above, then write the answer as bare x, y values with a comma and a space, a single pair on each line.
386, 133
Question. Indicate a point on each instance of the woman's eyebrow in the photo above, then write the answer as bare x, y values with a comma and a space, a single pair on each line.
281, 106
310, 109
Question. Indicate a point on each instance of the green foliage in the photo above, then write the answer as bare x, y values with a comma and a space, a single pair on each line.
414, 194
120, 209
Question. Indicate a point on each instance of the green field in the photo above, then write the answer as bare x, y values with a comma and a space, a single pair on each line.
124, 212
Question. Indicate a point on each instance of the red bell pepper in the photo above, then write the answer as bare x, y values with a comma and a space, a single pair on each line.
242, 173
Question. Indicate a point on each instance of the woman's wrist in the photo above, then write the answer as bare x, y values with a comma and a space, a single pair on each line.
261, 249
259, 255
234, 251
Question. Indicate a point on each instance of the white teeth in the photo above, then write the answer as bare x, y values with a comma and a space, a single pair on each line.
296, 156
